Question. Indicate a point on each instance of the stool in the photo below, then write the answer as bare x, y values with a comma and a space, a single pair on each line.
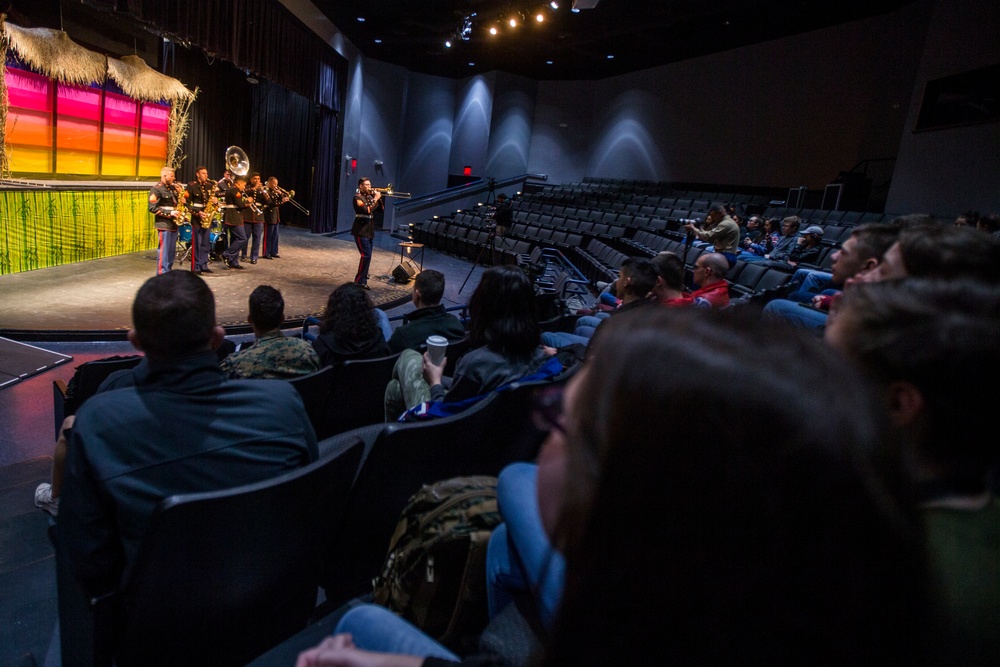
410, 245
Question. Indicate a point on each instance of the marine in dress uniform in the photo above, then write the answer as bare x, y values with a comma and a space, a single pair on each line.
163, 201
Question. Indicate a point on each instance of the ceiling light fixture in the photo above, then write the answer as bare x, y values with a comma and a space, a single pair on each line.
539, 17
493, 30
513, 22
361, 19
447, 43
554, 5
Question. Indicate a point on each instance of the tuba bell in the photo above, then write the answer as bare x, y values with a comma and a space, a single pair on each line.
237, 161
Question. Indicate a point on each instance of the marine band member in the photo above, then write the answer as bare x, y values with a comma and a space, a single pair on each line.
363, 230
164, 198
201, 194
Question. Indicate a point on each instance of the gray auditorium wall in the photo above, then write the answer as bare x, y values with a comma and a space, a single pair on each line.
783, 113
955, 169
786, 112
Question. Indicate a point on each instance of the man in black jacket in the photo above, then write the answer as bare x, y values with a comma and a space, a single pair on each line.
429, 319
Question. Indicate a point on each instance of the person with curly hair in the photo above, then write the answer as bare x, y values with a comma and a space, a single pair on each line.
348, 328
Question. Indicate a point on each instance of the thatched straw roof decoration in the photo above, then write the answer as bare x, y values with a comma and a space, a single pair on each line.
142, 82
54, 54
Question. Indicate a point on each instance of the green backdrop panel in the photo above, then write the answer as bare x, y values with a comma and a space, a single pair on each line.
40, 228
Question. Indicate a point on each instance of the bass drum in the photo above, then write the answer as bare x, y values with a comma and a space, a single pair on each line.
184, 233
217, 242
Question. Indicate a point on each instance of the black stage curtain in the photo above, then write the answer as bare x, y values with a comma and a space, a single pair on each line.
259, 35
274, 126
324, 213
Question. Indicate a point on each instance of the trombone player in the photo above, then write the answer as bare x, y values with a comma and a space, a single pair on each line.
272, 218
363, 229
256, 198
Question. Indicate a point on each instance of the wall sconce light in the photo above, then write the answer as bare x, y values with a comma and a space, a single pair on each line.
378, 167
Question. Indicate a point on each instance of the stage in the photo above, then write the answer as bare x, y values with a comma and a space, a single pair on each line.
91, 300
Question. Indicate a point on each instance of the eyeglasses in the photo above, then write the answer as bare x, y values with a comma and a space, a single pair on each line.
547, 413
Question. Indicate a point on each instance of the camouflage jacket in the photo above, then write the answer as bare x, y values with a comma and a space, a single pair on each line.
272, 357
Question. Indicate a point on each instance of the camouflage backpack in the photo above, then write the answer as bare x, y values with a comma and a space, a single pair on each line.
435, 573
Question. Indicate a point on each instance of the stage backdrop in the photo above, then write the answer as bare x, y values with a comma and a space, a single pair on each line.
44, 228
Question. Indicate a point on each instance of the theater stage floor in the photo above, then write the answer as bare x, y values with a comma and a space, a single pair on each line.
62, 302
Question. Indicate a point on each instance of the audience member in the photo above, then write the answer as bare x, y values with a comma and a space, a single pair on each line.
720, 231
779, 544
504, 346
709, 277
989, 224
636, 279
669, 287
429, 318
348, 328
184, 428
783, 245
934, 347
805, 250
769, 235
862, 251
273, 356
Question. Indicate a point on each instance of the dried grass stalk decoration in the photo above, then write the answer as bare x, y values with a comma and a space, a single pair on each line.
4, 102
141, 82
54, 54
180, 117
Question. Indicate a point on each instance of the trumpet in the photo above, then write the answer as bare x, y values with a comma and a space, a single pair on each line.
389, 192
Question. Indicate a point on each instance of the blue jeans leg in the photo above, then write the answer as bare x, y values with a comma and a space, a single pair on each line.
375, 628
796, 313
562, 339
520, 556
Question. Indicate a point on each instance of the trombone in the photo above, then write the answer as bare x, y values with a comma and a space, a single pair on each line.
388, 192
290, 194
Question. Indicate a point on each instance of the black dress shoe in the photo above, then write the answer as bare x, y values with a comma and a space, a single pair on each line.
365, 286
253, 261
237, 266
266, 257
204, 271
275, 257
225, 263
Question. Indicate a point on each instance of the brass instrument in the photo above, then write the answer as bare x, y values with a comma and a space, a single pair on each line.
237, 161
389, 192
290, 194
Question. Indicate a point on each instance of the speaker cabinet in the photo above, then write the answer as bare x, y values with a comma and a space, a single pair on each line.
405, 272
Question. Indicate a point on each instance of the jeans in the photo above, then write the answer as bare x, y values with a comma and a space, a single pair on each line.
562, 339
520, 557
375, 628
796, 313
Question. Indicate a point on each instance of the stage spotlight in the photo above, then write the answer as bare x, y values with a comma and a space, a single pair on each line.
447, 43
554, 5
493, 30
539, 17
513, 22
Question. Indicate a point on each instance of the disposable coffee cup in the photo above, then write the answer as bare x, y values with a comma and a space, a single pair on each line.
436, 347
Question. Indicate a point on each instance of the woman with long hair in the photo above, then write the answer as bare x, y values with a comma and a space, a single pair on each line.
348, 328
689, 536
504, 342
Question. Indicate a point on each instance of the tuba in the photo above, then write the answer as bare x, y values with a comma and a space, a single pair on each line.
237, 161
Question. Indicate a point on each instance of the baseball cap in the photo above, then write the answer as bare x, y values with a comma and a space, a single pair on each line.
813, 229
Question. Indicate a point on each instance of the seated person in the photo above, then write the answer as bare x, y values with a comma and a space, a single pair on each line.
743, 519
720, 231
934, 347
785, 242
636, 278
348, 328
709, 277
770, 233
860, 252
184, 428
429, 318
273, 356
503, 346
805, 249
669, 288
